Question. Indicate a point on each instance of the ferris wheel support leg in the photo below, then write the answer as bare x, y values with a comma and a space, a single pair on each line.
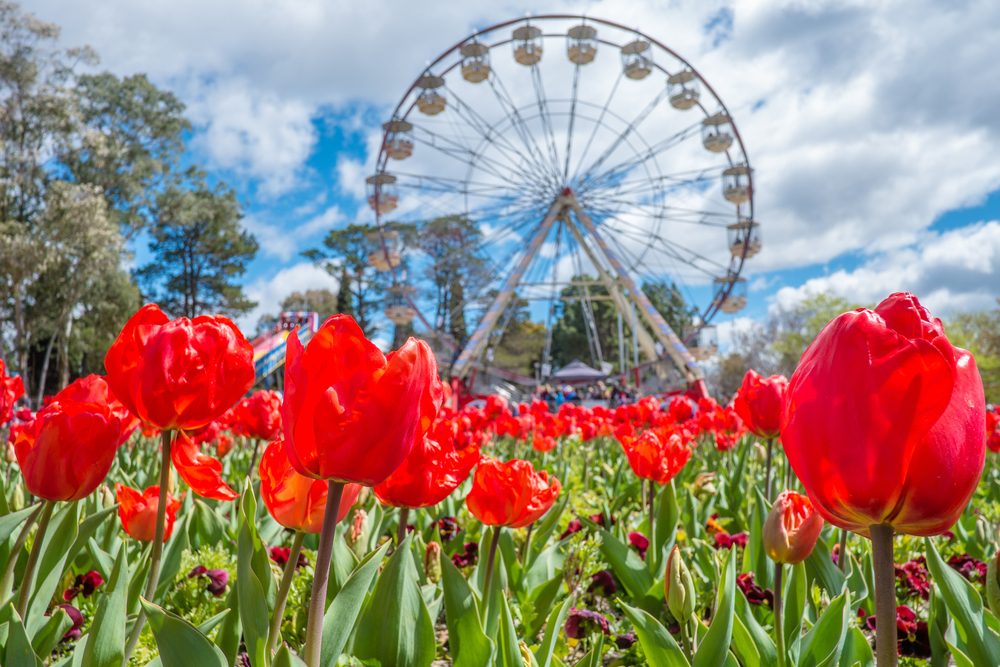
685, 363
466, 361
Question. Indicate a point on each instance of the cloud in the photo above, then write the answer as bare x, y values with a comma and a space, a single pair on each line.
270, 292
325, 221
274, 242
948, 271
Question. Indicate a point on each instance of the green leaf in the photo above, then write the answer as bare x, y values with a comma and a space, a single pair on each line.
542, 598
714, 650
823, 644
631, 570
856, 651
179, 643
342, 564
172, 554
543, 654
664, 528
660, 648
18, 647
342, 614
546, 527
208, 525
255, 613
395, 629
794, 603
55, 553
746, 629
207, 626
11, 522
593, 657
510, 651
106, 645
229, 635
105, 563
820, 567
57, 625
285, 658
966, 609
754, 557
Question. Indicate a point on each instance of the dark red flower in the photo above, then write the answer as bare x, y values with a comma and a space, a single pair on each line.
602, 583
912, 636
624, 642
727, 541
468, 557
969, 567
914, 578
84, 584
217, 579
280, 555
74, 614
574, 526
753, 592
447, 528
640, 542
581, 623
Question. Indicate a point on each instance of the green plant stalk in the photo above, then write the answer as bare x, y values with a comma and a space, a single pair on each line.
885, 595
317, 603
767, 478
404, 516
685, 640
36, 547
286, 583
494, 543
842, 556
653, 556
779, 631
527, 545
154, 558
8, 572
253, 459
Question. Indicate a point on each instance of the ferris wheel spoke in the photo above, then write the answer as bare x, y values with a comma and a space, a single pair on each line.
632, 126
662, 212
643, 235
597, 125
654, 151
543, 112
572, 120
518, 123
458, 152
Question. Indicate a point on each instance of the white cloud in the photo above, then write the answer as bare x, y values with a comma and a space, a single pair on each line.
274, 242
351, 175
948, 271
325, 221
270, 292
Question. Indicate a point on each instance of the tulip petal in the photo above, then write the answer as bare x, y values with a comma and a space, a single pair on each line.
200, 471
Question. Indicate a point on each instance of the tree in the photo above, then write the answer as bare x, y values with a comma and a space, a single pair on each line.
572, 337
199, 249
521, 342
452, 243
979, 333
671, 305
321, 301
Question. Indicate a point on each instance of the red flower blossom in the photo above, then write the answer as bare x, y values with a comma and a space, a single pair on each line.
84, 584
137, 512
653, 457
511, 494
758, 403
260, 415
11, 389
428, 475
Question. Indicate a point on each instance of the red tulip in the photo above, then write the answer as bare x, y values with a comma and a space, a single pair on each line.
66, 451
295, 501
883, 421
260, 415
200, 471
511, 494
138, 512
428, 475
791, 529
11, 389
179, 374
758, 403
993, 431
653, 457
350, 413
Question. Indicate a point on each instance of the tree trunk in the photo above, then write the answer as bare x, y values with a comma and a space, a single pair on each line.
45, 366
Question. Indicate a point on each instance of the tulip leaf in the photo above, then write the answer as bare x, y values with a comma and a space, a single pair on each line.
11, 522
660, 648
754, 558
664, 529
230, 633
714, 649
285, 658
172, 554
856, 651
822, 645
510, 651
342, 564
470, 647
545, 566
820, 568
395, 628
545, 527
746, 629
593, 657
207, 524
57, 550
541, 599
966, 609
793, 603
106, 643
342, 614
57, 625
255, 612
937, 625
102, 559
631, 570
179, 643
543, 654
18, 651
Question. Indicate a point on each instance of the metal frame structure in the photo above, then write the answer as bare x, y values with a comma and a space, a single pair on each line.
546, 193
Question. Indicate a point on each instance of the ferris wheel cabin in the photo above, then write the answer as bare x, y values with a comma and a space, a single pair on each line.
637, 60
716, 133
736, 184
388, 200
528, 45
744, 236
475, 62
381, 259
399, 139
581, 44
682, 89
430, 102
736, 299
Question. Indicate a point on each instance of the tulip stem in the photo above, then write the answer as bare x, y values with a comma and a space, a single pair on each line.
36, 548
154, 558
8, 572
653, 556
253, 459
767, 477
779, 631
842, 555
527, 545
286, 584
404, 516
317, 603
487, 582
885, 595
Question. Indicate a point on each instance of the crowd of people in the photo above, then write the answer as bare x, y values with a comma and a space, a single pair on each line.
613, 393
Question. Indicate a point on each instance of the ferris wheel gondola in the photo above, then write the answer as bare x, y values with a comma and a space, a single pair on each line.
569, 172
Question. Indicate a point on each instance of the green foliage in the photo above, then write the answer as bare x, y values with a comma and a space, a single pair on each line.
979, 333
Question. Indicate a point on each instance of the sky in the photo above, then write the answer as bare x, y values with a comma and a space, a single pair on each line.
871, 127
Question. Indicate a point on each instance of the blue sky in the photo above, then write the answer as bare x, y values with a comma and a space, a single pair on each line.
871, 126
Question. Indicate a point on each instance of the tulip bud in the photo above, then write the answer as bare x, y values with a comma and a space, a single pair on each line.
527, 659
791, 529
432, 562
17, 499
107, 497
678, 587
704, 485
9, 455
171, 480
982, 530
357, 537
760, 452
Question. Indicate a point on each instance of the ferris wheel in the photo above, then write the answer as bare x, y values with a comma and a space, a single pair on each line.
588, 154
